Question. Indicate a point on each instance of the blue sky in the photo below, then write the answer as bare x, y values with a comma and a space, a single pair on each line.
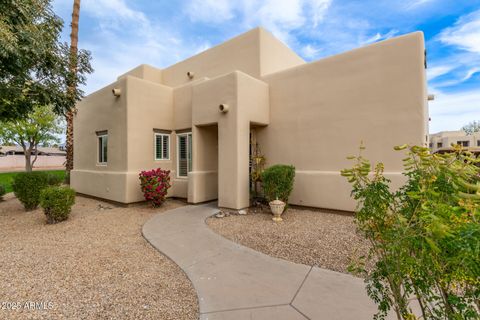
122, 34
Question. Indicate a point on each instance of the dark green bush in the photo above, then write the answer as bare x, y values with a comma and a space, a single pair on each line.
3, 190
54, 179
27, 187
277, 182
57, 203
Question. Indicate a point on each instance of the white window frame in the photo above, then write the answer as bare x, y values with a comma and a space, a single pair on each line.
155, 135
189, 136
99, 152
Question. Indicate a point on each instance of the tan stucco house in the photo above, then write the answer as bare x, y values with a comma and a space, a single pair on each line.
197, 118
442, 141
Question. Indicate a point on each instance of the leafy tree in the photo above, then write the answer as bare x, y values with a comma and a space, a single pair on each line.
425, 237
34, 64
472, 127
40, 127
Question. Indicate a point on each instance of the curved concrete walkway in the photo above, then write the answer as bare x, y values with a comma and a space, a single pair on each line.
235, 282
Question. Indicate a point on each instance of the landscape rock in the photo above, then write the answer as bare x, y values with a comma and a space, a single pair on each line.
220, 215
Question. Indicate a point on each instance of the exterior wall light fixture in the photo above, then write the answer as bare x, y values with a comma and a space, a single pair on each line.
116, 92
223, 108
190, 75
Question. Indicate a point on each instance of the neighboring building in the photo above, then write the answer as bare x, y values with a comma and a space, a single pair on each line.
442, 141
13, 157
42, 151
196, 117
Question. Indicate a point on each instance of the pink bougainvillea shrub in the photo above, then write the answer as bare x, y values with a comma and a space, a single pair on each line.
155, 184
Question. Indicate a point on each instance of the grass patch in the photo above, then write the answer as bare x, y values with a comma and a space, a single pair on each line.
7, 178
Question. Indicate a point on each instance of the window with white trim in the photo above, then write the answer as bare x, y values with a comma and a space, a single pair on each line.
162, 146
102, 148
184, 154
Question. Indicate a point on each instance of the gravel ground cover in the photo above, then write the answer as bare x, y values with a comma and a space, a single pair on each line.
327, 240
96, 265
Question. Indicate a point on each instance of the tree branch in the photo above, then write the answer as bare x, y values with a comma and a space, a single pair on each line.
36, 155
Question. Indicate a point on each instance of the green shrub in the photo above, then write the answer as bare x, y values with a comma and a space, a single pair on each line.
54, 179
425, 237
277, 182
3, 190
66, 179
57, 203
27, 187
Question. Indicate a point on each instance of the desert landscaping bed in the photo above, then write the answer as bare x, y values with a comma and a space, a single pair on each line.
315, 238
95, 265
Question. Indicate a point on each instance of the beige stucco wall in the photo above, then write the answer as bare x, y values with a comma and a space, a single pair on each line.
182, 100
150, 106
130, 120
275, 55
320, 112
240, 53
203, 180
309, 115
146, 72
256, 52
247, 100
111, 114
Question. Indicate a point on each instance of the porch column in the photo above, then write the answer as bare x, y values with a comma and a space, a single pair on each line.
233, 176
233, 101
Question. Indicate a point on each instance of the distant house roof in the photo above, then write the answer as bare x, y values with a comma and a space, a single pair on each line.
46, 151
455, 133
474, 150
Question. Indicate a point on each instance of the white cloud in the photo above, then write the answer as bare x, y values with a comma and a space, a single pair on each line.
378, 36
112, 10
283, 17
413, 4
470, 73
212, 11
463, 64
465, 33
279, 17
318, 9
126, 37
202, 47
310, 52
122, 37
437, 71
455, 78
450, 111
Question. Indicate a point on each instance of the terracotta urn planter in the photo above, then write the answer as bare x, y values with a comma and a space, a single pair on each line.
277, 207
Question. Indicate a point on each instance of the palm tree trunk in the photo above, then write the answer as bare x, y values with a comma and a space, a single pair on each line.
73, 83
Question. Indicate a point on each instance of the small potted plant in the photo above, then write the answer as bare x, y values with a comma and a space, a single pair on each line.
277, 183
277, 207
